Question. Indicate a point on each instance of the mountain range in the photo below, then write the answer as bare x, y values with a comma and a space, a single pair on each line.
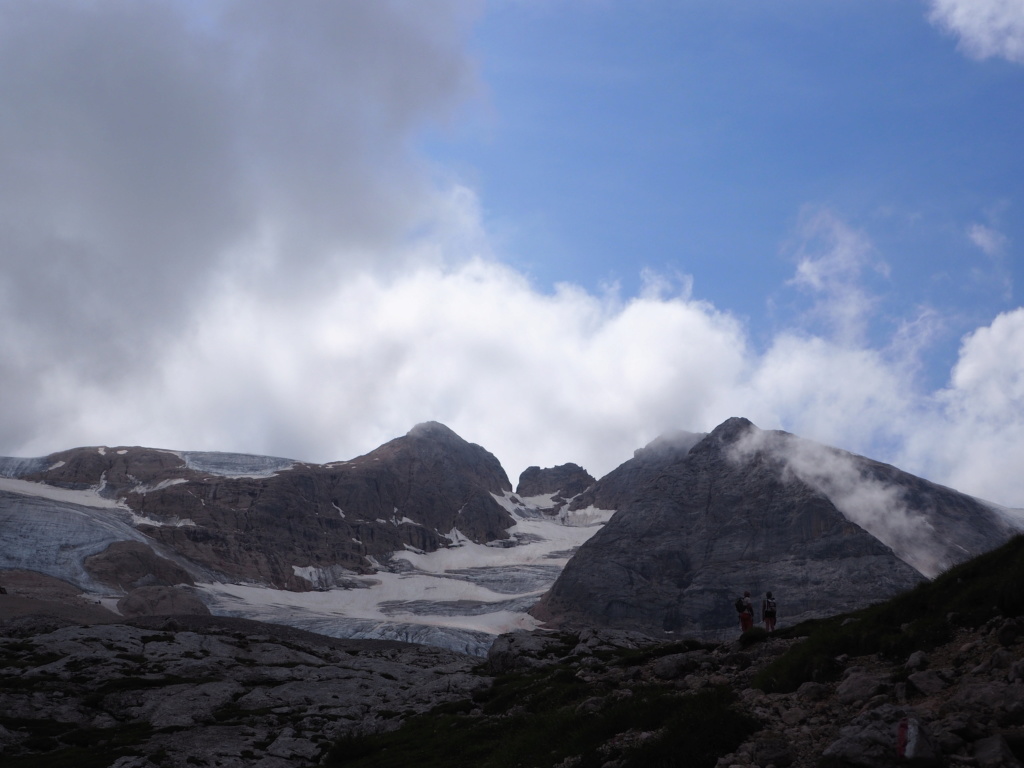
424, 538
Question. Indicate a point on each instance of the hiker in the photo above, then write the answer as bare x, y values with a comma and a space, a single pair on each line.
745, 608
769, 609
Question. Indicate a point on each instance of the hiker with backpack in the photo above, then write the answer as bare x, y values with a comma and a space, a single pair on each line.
769, 609
745, 609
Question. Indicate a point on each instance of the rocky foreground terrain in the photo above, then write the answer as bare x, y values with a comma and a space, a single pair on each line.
207, 691
961, 704
204, 691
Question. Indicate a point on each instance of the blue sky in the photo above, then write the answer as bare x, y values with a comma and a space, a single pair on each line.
691, 137
560, 227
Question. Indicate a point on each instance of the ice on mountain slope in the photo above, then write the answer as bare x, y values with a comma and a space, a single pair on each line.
87, 497
54, 536
234, 464
458, 598
11, 466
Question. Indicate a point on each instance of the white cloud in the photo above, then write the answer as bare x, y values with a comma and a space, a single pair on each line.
203, 248
534, 378
845, 395
986, 28
831, 259
990, 241
974, 440
993, 244
876, 506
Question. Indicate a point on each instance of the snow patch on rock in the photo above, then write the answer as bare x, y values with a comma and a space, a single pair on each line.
89, 497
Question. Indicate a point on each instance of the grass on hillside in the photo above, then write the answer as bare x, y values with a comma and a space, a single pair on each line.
66, 745
536, 719
923, 618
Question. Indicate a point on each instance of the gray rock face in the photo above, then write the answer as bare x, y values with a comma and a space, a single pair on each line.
702, 518
698, 525
257, 518
859, 686
566, 480
210, 691
621, 485
161, 601
130, 564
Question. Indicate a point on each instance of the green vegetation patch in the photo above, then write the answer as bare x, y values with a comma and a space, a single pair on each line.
26, 656
923, 618
542, 719
645, 655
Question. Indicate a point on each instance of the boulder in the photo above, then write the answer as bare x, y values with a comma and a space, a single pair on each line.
525, 650
880, 738
677, 665
928, 682
994, 752
157, 601
918, 660
860, 686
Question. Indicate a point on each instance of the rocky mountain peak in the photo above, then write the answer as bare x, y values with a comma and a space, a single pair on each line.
566, 480
732, 429
431, 448
692, 520
119, 467
700, 520
669, 447
616, 489
274, 521
434, 430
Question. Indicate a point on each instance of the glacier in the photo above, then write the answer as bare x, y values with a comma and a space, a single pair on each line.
459, 598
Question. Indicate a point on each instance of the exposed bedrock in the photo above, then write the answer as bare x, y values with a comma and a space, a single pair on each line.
698, 524
262, 522
162, 601
131, 564
566, 480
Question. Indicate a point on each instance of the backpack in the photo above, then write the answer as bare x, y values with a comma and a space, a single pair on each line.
740, 605
769, 606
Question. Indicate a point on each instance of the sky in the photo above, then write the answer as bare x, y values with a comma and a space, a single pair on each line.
560, 227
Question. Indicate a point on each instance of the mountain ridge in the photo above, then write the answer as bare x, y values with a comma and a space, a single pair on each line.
433, 506
700, 521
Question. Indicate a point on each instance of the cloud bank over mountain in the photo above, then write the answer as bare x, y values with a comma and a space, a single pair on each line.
218, 231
